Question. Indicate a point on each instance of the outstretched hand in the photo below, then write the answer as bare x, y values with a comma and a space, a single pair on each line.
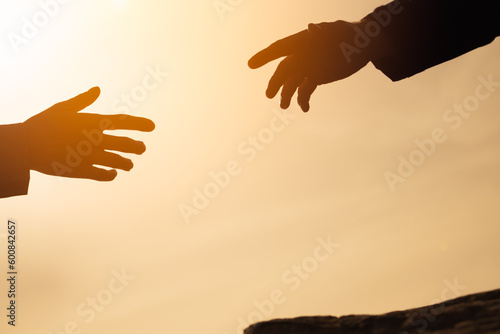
63, 142
318, 55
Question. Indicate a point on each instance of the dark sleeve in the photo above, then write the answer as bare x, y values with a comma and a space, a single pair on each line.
14, 168
429, 32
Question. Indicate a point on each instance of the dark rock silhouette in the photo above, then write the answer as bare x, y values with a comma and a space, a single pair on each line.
472, 314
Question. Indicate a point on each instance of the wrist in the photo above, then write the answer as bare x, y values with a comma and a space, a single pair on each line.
371, 40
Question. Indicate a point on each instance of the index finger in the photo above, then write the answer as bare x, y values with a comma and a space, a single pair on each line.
281, 48
121, 122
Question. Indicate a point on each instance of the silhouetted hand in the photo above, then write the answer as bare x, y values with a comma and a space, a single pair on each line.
63, 142
313, 57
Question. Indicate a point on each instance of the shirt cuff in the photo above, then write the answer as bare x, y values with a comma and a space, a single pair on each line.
14, 161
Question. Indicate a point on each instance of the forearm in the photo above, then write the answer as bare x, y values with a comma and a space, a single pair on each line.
14, 162
423, 33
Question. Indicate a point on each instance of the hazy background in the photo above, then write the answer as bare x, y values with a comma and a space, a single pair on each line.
323, 175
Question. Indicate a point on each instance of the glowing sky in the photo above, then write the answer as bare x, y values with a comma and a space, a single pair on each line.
320, 177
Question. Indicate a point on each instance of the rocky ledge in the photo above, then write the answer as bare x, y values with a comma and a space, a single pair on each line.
472, 314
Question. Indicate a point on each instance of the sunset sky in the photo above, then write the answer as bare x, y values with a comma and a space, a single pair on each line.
306, 222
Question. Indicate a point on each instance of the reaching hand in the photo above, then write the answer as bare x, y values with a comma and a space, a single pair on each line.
64, 142
313, 57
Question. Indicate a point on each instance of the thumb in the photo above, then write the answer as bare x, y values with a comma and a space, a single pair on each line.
78, 102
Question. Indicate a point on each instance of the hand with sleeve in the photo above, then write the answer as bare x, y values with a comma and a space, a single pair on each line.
319, 55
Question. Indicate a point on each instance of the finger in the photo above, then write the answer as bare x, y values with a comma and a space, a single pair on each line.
289, 89
78, 102
123, 144
304, 94
94, 173
128, 122
117, 122
112, 160
287, 67
281, 48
